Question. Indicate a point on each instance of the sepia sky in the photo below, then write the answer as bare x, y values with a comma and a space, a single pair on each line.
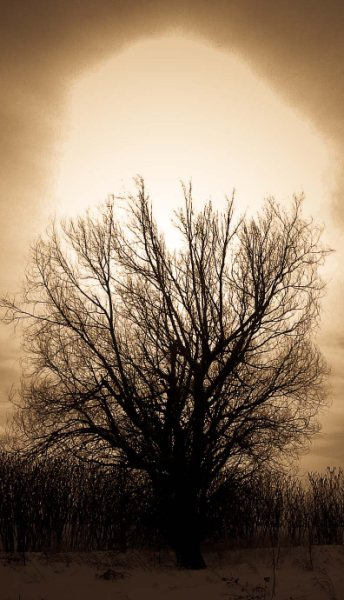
246, 95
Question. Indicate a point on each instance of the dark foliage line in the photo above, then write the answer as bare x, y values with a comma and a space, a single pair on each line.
55, 505
279, 509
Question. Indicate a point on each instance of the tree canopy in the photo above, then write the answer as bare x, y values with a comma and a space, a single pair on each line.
192, 364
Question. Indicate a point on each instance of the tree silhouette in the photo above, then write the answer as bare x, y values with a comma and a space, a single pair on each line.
193, 365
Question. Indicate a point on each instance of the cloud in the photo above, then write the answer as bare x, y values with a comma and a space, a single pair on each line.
326, 450
297, 46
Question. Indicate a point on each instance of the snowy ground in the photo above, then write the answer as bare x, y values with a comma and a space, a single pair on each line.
231, 575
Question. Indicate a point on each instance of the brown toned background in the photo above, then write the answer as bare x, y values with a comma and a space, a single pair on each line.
297, 47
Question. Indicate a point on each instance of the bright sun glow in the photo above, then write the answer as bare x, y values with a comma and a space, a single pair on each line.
174, 109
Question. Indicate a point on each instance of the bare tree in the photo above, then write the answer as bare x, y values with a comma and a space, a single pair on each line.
192, 365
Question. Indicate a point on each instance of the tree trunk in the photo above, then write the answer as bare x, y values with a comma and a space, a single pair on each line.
184, 530
187, 549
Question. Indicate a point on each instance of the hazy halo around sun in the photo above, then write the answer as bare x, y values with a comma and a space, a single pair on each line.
177, 109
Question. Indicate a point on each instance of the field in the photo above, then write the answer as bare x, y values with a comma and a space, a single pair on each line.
70, 532
249, 574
